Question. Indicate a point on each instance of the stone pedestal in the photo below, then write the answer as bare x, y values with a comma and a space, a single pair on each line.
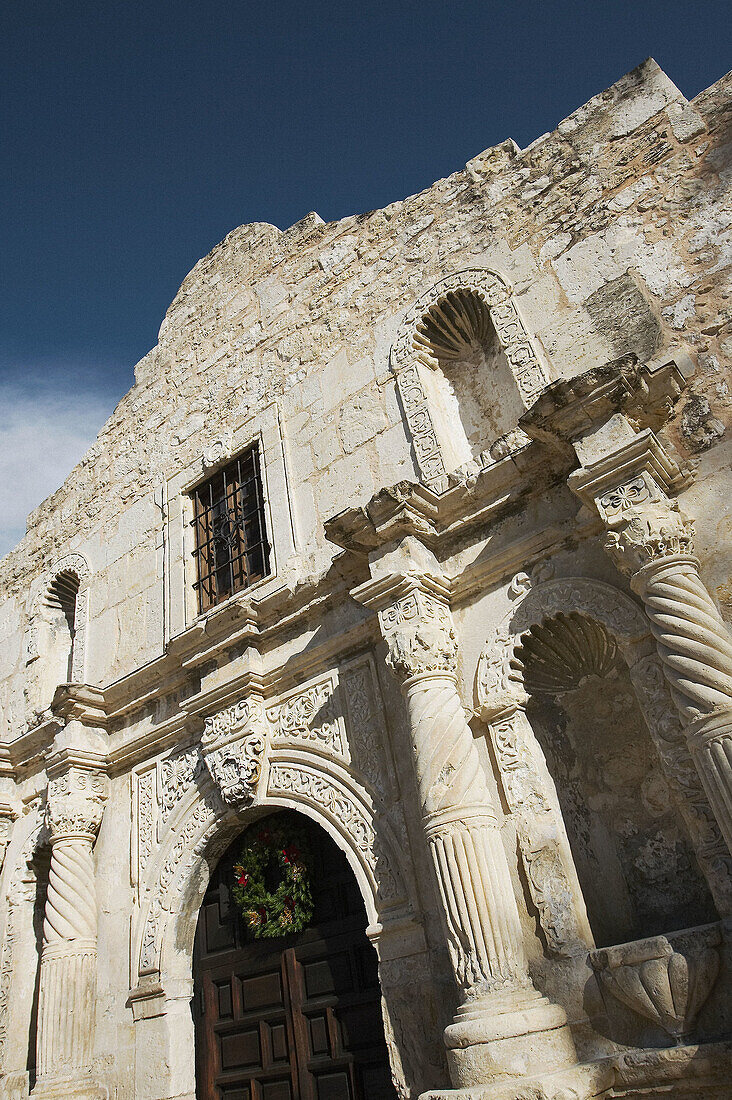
504, 1029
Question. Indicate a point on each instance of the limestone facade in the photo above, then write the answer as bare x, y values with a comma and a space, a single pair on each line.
490, 656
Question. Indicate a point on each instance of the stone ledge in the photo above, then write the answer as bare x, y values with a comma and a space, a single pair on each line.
582, 1082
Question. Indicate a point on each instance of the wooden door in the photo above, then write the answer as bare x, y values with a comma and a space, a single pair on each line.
296, 1018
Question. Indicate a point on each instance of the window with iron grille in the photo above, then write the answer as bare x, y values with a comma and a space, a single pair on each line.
232, 551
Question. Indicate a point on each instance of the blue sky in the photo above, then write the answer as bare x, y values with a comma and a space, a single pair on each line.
135, 135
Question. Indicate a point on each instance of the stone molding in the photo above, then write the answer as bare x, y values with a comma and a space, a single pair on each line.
328, 794
524, 362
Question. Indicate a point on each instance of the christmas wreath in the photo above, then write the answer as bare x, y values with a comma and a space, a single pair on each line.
272, 880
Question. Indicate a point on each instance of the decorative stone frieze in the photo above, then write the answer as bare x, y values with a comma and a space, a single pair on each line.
312, 716
478, 907
233, 746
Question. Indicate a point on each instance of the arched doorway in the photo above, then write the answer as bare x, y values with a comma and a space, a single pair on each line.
297, 1017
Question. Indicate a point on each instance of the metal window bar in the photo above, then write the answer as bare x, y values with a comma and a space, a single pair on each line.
231, 548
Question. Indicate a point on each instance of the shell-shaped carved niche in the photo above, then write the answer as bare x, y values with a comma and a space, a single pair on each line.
558, 654
454, 326
471, 392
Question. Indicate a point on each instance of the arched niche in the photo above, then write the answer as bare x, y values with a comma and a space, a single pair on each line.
466, 370
582, 636
173, 886
634, 858
57, 627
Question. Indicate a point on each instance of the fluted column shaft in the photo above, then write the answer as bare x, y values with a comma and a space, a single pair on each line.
651, 540
479, 908
69, 955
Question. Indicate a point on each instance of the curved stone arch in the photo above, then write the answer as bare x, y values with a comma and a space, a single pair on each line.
498, 687
174, 884
77, 564
524, 362
202, 827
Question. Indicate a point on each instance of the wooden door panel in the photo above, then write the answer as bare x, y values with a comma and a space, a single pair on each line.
333, 1086
260, 992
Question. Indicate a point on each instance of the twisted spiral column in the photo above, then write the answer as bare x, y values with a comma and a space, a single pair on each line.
696, 651
693, 642
651, 540
71, 903
69, 956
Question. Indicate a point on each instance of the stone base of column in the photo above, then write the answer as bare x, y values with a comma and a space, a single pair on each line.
580, 1082
506, 1036
67, 1088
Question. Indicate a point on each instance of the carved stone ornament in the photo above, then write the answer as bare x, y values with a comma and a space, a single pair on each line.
420, 636
311, 715
217, 451
233, 747
644, 525
666, 979
6, 825
75, 803
499, 682
410, 350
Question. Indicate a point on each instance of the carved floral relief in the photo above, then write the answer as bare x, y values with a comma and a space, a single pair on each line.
313, 716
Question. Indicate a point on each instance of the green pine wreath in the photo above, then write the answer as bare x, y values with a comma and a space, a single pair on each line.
276, 848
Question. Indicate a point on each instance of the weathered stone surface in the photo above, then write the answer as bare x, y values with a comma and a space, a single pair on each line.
564, 725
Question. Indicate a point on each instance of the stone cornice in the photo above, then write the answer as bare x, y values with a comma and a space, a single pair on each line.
80, 703
241, 621
474, 498
646, 393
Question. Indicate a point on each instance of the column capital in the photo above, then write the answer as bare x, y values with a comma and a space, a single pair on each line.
629, 488
76, 797
77, 765
415, 620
